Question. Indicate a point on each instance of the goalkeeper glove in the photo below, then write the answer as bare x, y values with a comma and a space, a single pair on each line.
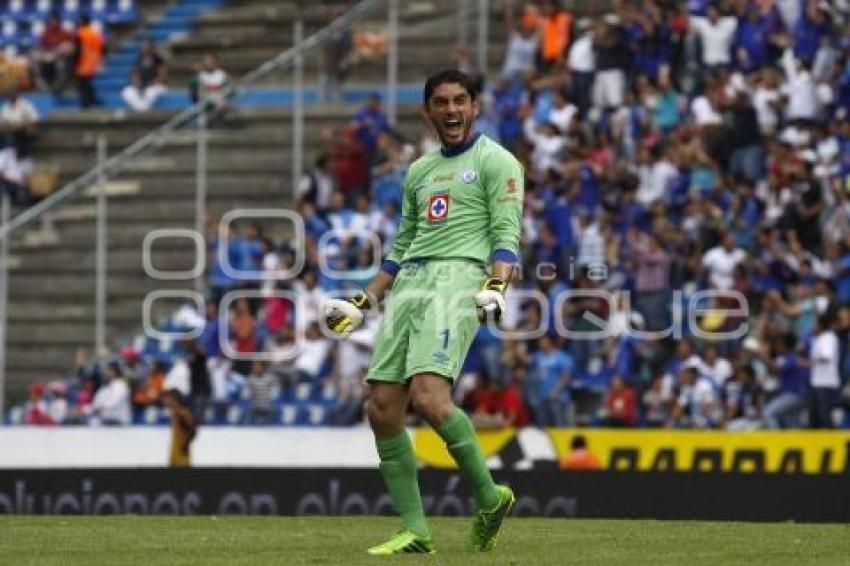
344, 316
490, 300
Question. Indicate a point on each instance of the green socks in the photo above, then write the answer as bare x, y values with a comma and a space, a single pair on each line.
463, 445
398, 466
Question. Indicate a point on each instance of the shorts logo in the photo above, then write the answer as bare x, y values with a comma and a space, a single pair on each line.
438, 207
441, 357
469, 176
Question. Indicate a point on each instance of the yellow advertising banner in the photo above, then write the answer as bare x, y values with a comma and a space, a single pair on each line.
794, 452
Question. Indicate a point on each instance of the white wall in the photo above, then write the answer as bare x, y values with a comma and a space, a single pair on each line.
63, 447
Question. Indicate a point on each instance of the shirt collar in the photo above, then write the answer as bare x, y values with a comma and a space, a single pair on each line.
455, 151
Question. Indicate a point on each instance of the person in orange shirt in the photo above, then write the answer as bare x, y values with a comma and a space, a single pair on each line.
555, 28
579, 458
90, 49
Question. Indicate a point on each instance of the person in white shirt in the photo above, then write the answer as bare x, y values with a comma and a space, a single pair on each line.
15, 172
547, 144
721, 261
19, 120
317, 186
716, 36
717, 368
521, 50
655, 175
582, 64
314, 353
767, 101
800, 88
563, 111
138, 97
825, 376
697, 404
706, 112
111, 403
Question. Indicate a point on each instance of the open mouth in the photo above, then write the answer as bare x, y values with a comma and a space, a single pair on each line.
453, 126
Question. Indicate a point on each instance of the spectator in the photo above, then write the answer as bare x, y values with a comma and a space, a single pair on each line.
555, 29
58, 408
199, 379
370, 122
36, 409
111, 403
582, 64
716, 35
148, 393
90, 47
55, 53
696, 403
150, 66
314, 353
721, 260
743, 399
652, 283
263, 389
549, 395
498, 405
825, 377
16, 168
522, 46
19, 120
140, 97
621, 404
580, 458
318, 184
184, 427
211, 86
339, 57
610, 55
243, 337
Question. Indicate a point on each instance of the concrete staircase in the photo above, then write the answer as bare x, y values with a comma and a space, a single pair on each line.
51, 302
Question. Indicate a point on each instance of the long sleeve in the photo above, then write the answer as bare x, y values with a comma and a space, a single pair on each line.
504, 185
407, 227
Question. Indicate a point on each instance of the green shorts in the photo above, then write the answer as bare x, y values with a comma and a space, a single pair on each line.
429, 322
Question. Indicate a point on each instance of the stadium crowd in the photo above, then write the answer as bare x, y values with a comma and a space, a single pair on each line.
671, 148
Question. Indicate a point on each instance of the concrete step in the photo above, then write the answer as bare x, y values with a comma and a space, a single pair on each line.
168, 255
120, 311
62, 287
239, 138
60, 333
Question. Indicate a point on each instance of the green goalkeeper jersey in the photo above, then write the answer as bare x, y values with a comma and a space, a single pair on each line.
461, 203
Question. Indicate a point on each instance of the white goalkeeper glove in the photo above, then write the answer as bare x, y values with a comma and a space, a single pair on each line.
344, 316
490, 300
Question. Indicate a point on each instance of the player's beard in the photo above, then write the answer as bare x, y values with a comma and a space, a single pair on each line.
453, 135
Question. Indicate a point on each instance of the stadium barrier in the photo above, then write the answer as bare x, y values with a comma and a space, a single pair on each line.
787, 452
324, 491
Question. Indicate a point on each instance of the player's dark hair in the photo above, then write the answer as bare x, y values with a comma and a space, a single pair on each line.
449, 76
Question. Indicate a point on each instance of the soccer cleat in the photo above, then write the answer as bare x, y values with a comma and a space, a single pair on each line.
404, 542
488, 524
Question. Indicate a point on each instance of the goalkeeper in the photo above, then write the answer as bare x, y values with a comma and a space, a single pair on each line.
448, 268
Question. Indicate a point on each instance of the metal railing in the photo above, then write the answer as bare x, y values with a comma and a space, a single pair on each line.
195, 117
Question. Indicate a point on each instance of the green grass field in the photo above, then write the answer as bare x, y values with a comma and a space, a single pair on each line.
118, 541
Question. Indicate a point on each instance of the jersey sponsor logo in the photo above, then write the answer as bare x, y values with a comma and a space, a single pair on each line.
443, 178
438, 207
469, 176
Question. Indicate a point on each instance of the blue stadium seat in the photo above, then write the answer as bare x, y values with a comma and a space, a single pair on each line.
316, 414
288, 414
122, 12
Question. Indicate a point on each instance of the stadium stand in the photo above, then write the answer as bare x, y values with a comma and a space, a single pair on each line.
676, 160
